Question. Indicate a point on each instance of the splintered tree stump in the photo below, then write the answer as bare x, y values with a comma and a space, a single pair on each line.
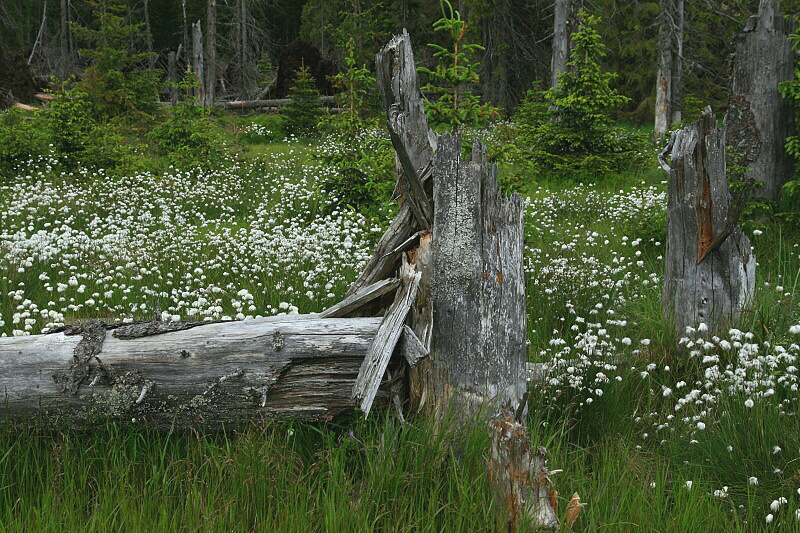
709, 271
478, 351
759, 120
165, 373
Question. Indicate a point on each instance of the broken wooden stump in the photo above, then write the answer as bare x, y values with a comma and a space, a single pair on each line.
292, 366
709, 272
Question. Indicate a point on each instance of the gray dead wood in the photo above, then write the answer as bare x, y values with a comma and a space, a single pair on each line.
706, 278
411, 347
295, 366
360, 298
520, 483
758, 120
373, 368
384, 259
408, 127
197, 63
478, 347
275, 102
413, 143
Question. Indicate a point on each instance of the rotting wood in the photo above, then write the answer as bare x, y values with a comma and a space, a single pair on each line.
360, 298
292, 366
520, 484
709, 273
399, 88
373, 368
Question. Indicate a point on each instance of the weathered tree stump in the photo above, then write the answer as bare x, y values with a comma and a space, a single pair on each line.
758, 120
709, 272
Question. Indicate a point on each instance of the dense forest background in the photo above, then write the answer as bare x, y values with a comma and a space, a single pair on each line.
261, 43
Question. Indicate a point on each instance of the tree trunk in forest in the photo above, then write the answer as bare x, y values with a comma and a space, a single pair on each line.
172, 75
295, 366
65, 39
197, 63
669, 81
758, 120
565, 23
151, 60
211, 52
676, 105
709, 271
187, 44
478, 352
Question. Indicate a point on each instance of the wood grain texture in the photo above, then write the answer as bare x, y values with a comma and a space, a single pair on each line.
360, 298
478, 288
758, 119
716, 289
296, 366
376, 361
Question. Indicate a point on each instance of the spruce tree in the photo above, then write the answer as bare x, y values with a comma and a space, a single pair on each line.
304, 113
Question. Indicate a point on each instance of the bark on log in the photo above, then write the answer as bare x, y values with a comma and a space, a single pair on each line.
297, 366
758, 120
709, 272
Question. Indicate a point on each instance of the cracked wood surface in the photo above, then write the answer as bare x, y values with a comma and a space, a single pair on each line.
295, 366
709, 272
478, 348
758, 119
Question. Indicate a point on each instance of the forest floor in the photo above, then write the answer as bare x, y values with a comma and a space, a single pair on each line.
652, 438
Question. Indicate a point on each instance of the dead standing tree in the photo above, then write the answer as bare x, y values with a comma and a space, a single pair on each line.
709, 272
758, 120
451, 266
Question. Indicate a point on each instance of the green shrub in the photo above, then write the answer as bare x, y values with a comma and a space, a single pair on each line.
365, 176
187, 138
789, 202
70, 123
303, 114
20, 141
567, 130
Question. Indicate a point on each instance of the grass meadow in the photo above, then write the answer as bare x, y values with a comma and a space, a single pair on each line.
653, 438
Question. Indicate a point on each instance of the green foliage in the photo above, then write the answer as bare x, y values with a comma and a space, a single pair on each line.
365, 166
568, 129
187, 138
115, 84
455, 105
69, 123
304, 112
20, 141
354, 82
790, 197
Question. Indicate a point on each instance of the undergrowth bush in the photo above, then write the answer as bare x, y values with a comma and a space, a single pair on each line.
187, 138
20, 140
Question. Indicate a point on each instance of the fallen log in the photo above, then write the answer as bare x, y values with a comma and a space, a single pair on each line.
274, 102
293, 366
